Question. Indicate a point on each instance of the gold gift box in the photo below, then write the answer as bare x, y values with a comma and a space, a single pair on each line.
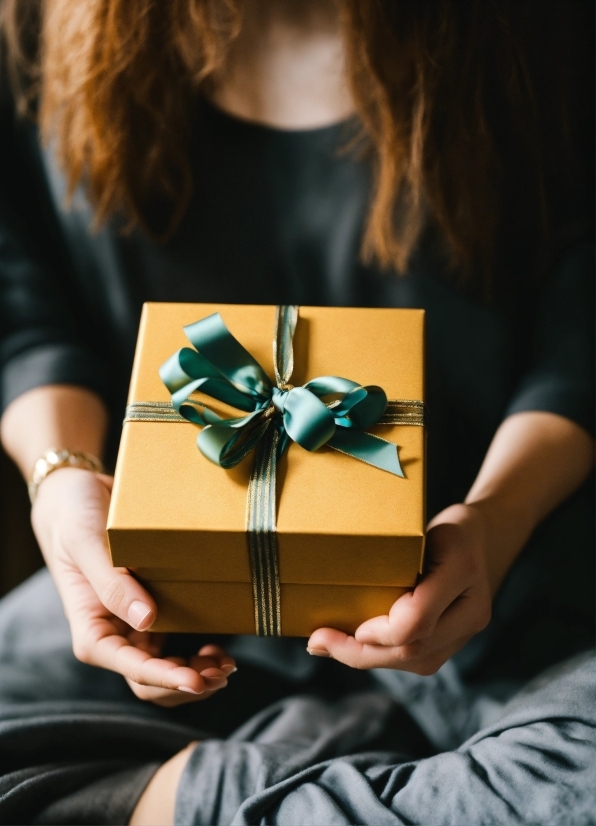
350, 536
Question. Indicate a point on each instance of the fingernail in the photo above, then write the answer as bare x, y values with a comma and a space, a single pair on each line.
318, 652
188, 690
229, 669
212, 671
138, 614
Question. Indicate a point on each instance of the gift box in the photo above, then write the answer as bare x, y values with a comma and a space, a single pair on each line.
346, 536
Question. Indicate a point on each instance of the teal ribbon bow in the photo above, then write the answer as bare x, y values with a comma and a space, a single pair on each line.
328, 410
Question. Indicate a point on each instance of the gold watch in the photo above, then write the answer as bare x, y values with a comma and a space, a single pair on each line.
53, 459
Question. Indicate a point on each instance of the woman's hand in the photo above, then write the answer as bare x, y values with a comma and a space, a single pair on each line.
108, 610
451, 603
535, 461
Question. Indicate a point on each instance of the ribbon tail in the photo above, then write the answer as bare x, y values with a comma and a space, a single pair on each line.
367, 448
187, 371
283, 442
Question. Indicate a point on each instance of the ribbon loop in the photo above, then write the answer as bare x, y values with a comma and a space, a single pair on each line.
214, 341
363, 407
307, 420
286, 318
330, 386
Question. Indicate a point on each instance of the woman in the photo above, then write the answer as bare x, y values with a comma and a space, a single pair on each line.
356, 153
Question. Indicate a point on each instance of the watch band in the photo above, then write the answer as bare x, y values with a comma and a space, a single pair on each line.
53, 459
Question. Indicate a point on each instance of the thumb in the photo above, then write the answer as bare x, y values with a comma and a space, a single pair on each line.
125, 597
70, 516
116, 588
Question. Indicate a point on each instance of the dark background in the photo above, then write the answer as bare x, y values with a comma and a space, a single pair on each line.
19, 554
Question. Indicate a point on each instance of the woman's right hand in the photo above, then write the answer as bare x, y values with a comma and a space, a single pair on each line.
108, 609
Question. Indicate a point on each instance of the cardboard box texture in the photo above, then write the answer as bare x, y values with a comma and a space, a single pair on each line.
350, 536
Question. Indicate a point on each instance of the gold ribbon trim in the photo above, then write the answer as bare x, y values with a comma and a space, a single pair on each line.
398, 412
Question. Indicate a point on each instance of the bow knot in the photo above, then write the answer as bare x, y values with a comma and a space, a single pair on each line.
327, 410
280, 394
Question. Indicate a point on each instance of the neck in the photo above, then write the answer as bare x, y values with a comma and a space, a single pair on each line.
286, 68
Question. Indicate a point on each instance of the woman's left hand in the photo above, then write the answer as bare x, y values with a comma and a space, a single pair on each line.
450, 604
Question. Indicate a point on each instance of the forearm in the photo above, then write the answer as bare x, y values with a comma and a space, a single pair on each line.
53, 416
536, 460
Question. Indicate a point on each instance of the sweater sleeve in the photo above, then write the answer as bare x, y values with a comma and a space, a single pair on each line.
43, 336
560, 378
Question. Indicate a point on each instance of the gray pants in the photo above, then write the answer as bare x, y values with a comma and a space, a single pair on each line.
306, 762
77, 747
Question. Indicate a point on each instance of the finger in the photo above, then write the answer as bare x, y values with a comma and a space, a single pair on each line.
116, 588
161, 696
464, 618
110, 650
102, 639
106, 480
224, 661
169, 699
214, 679
347, 650
148, 641
426, 666
85, 545
210, 658
350, 652
328, 642
213, 676
415, 614
203, 664
207, 667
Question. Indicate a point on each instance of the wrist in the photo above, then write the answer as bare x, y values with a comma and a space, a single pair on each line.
52, 416
497, 532
512, 522
68, 501
56, 459
506, 529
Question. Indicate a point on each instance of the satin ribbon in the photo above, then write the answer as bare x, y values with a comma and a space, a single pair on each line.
328, 410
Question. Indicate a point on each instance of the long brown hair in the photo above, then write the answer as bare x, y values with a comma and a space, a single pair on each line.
444, 89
